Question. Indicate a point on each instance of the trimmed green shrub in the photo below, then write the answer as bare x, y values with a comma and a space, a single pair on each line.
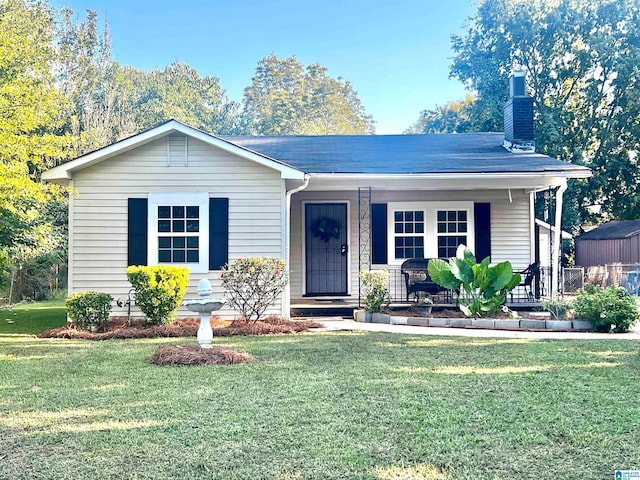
89, 309
253, 284
610, 309
159, 290
481, 290
375, 290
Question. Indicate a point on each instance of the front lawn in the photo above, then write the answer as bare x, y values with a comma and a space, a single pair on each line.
321, 406
33, 318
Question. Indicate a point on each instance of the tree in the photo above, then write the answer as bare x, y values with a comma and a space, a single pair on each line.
148, 98
582, 64
453, 117
285, 98
32, 134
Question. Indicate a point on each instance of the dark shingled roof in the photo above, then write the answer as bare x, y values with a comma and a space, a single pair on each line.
401, 154
613, 230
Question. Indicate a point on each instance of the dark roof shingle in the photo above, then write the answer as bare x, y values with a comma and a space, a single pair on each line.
401, 154
613, 230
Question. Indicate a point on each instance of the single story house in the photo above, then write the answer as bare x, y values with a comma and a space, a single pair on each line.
331, 206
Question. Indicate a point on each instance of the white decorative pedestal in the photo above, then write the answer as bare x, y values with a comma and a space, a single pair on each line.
204, 306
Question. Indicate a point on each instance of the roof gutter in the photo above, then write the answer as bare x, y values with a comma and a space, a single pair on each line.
286, 301
578, 173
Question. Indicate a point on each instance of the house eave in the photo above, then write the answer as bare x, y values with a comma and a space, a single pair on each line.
530, 181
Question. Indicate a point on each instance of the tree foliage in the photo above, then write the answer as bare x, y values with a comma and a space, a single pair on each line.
32, 134
458, 116
285, 98
582, 60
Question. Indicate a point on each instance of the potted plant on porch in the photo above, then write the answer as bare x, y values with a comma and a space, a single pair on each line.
375, 296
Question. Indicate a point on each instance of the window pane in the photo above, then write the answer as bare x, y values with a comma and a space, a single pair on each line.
419, 227
451, 215
419, 253
399, 242
164, 242
178, 212
397, 216
178, 242
178, 225
442, 241
400, 253
178, 256
442, 215
419, 242
452, 228
193, 242
193, 256
462, 215
164, 211
398, 228
164, 225
193, 225
408, 241
420, 216
442, 228
193, 212
462, 227
164, 256
408, 216
408, 228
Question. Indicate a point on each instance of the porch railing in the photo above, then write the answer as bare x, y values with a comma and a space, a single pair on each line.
397, 290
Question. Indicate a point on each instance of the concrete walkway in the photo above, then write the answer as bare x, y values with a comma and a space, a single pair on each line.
338, 324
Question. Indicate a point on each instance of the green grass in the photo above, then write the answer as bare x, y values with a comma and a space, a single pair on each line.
322, 406
33, 318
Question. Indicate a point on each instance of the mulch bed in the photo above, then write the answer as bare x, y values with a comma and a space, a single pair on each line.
188, 327
194, 355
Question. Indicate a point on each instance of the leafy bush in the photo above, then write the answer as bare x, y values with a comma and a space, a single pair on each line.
89, 309
610, 308
159, 290
253, 284
559, 309
479, 288
376, 292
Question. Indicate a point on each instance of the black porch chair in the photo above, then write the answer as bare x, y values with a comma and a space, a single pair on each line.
417, 279
528, 276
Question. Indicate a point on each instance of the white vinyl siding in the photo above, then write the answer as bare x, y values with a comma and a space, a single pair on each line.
98, 259
510, 225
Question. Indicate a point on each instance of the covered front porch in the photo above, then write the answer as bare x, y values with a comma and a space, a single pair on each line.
338, 232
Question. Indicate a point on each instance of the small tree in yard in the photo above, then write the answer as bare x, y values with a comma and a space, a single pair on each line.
159, 290
253, 284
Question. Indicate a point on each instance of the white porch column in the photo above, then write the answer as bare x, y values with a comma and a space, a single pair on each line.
557, 239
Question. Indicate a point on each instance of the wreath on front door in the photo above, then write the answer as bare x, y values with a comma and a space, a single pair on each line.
326, 228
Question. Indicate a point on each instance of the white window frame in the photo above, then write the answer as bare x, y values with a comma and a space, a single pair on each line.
199, 199
430, 210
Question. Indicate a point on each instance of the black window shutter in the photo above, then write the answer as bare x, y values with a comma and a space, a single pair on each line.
378, 233
482, 221
218, 232
137, 231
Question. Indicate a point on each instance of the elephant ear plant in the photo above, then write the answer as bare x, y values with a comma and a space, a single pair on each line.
480, 289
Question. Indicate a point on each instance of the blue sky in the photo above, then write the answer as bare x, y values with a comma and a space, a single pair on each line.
395, 53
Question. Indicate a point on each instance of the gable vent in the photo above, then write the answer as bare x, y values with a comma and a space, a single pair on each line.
177, 150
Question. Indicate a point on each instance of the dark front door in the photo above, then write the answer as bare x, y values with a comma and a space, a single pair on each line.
326, 248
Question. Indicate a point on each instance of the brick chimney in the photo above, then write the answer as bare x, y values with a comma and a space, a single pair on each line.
518, 116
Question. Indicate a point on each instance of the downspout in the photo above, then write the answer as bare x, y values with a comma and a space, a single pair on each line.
557, 239
286, 303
